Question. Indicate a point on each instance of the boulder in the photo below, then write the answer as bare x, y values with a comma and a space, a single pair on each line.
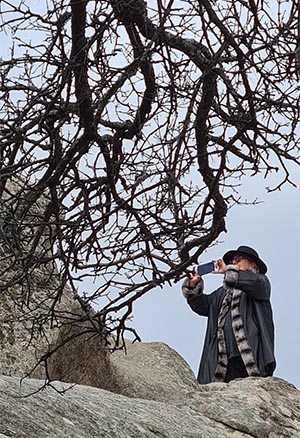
23, 340
152, 371
34, 304
258, 407
245, 408
81, 357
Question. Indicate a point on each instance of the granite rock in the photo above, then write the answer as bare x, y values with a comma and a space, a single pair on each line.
247, 408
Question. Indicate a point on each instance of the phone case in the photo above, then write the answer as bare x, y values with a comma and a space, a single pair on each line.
206, 268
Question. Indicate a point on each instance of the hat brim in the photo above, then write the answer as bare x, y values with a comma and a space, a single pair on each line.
228, 257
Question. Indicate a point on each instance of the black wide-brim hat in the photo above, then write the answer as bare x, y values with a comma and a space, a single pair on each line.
248, 252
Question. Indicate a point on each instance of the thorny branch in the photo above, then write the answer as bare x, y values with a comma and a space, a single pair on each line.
125, 130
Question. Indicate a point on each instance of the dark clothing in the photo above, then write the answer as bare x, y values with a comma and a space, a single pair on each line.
256, 312
231, 345
235, 369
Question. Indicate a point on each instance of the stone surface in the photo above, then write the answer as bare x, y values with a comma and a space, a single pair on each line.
37, 311
152, 371
262, 407
247, 408
22, 340
82, 359
33, 305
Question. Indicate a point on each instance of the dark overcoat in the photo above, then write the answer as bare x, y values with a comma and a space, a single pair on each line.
256, 311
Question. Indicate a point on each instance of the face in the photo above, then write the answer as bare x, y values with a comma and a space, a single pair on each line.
243, 263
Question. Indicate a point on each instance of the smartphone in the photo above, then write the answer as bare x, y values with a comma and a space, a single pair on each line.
206, 268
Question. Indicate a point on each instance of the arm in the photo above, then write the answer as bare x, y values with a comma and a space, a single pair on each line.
253, 284
198, 301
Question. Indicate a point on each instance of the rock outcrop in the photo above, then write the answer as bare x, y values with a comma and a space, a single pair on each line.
37, 310
81, 357
33, 304
247, 408
152, 371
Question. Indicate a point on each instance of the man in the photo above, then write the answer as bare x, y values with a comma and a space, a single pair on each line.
239, 340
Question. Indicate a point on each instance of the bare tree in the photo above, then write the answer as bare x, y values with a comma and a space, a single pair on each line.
133, 123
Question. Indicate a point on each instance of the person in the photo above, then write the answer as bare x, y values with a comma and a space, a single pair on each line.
239, 340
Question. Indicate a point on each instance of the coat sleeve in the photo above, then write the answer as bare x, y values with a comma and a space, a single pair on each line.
196, 299
255, 285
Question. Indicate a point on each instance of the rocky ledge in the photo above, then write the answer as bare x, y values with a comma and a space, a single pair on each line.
244, 408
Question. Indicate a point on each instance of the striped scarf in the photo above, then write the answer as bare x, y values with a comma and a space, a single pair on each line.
232, 301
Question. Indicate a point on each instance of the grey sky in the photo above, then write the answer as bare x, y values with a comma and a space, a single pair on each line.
273, 228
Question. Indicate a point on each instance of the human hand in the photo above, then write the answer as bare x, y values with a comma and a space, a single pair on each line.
194, 278
220, 267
